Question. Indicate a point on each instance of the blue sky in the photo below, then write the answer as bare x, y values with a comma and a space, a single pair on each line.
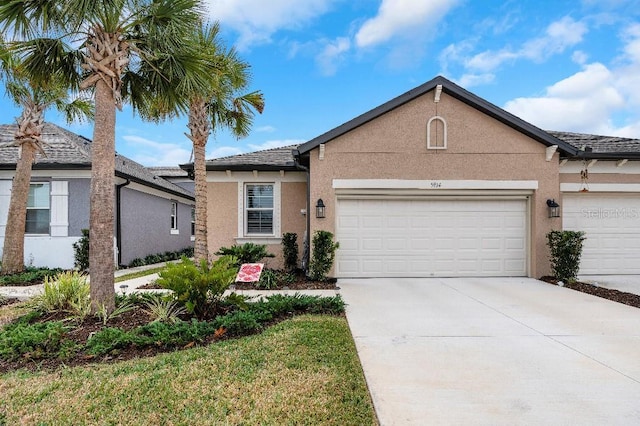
571, 65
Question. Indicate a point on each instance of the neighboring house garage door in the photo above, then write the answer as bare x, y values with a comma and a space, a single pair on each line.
431, 238
612, 226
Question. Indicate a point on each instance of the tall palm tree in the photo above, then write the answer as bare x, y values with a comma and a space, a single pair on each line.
223, 106
34, 98
102, 41
212, 88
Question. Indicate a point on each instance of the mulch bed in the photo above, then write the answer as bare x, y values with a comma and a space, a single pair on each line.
301, 283
606, 293
8, 301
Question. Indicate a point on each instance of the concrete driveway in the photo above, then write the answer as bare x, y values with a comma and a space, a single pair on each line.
494, 351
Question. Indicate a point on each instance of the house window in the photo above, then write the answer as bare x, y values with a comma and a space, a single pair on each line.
38, 209
174, 216
193, 222
259, 209
436, 133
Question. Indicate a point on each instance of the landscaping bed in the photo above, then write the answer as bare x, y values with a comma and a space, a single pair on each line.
606, 293
136, 333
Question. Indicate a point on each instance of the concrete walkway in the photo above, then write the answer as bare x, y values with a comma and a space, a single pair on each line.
494, 352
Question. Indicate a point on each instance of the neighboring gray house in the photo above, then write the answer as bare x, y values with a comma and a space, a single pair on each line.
153, 215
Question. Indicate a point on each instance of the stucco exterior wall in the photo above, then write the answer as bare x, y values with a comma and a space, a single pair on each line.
146, 225
224, 209
394, 146
294, 199
222, 215
79, 192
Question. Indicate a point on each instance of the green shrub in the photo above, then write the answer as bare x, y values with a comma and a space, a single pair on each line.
324, 252
29, 276
290, 250
268, 280
246, 253
278, 304
36, 341
167, 256
163, 309
242, 322
199, 287
81, 252
109, 339
178, 333
66, 292
565, 252
136, 262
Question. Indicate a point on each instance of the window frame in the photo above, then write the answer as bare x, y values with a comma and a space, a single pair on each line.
174, 218
444, 133
193, 223
37, 208
246, 209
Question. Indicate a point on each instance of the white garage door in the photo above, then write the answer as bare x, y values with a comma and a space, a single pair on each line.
612, 226
431, 238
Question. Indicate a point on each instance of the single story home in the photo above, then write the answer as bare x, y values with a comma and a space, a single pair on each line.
437, 182
153, 215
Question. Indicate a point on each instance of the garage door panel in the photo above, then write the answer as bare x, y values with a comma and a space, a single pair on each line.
612, 228
432, 237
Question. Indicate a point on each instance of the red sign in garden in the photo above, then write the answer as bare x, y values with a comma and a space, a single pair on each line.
249, 272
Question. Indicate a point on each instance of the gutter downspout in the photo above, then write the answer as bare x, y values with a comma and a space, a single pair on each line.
305, 251
118, 220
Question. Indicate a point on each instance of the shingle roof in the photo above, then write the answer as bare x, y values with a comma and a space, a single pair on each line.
599, 144
166, 171
67, 150
268, 159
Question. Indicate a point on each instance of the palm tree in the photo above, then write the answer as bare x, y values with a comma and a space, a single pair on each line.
223, 106
34, 98
104, 40
211, 87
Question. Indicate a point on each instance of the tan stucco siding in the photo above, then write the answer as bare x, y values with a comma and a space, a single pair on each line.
294, 199
479, 148
226, 217
222, 215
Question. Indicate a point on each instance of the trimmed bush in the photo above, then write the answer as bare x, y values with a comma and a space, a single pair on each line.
565, 252
324, 253
199, 288
245, 253
36, 341
81, 252
290, 250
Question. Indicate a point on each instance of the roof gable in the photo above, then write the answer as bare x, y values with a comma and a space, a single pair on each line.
456, 92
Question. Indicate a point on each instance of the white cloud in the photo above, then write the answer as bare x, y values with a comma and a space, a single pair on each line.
332, 54
257, 20
401, 17
152, 153
559, 36
582, 102
470, 80
275, 144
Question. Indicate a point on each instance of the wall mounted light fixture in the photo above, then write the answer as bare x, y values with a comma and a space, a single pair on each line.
320, 209
554, 208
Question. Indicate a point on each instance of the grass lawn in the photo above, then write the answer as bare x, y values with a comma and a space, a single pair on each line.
304, 370
138, 274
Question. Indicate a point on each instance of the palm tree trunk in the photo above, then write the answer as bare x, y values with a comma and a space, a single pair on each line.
200, 129
13, 252
101, 253
201, 250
